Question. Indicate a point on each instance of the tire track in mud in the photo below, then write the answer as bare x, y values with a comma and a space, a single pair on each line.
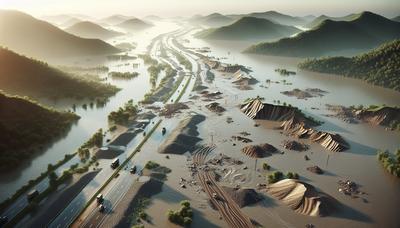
227, 208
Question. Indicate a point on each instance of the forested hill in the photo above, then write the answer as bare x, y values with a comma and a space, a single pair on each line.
379, 67
23, 76
26, 127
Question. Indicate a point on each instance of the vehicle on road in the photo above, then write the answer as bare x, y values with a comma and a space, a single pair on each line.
3, 220
32, 194
133, 169
100, 198
102, 208
115, 163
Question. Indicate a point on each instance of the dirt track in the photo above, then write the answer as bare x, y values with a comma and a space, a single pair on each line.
228, 209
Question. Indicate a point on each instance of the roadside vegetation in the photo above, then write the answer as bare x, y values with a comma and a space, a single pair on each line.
390, 162
278, 175
183, 216
123, 75
124, 114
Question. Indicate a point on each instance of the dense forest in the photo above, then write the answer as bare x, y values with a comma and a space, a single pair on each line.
29, 77
27, 127
379, 67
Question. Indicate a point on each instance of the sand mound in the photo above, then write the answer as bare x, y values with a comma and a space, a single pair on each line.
259, 151
184, 137
243, 196
294, 145
301, 197
242, 78
215, 107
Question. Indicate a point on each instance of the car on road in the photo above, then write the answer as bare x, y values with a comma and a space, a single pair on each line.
102, 208
115, 163
133, 169
32, 194
3, 220
100, 198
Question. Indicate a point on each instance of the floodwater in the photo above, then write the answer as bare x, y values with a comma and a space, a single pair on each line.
92, 118
358, 164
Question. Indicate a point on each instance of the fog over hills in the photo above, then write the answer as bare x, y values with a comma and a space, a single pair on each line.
36, 38
249, 28
367, 31
87, 29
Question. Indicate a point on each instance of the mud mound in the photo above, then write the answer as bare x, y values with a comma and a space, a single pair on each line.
301, 197
107, 153
384, 116
243, 196
171, 109
294, 145
315, 169
259, 151
304, 94
299, 94
184, 137
215, 107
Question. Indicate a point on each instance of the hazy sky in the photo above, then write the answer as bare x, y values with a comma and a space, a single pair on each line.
166, 8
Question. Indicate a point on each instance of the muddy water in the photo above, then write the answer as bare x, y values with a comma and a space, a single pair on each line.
358, 164
92, 118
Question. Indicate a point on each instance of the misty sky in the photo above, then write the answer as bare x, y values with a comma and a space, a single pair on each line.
167, 8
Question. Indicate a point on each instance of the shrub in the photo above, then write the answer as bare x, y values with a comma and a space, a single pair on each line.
266, 166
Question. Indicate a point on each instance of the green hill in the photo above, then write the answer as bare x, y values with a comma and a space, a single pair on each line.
134, 24
29, 36
279, 18
363, 33
115, 19
27, 127
28, 77
379, 67
212, 20
396, 19
322, 18
249, 28
87, 29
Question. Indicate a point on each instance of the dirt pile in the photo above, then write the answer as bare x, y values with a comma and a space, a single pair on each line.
243, 196
259, 151
242, 139
184, 137
299, 94
294, 145
171, 109
211, 95
215, 107
301, 197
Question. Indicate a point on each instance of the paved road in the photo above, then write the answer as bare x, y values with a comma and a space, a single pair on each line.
96, 218
75, 207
